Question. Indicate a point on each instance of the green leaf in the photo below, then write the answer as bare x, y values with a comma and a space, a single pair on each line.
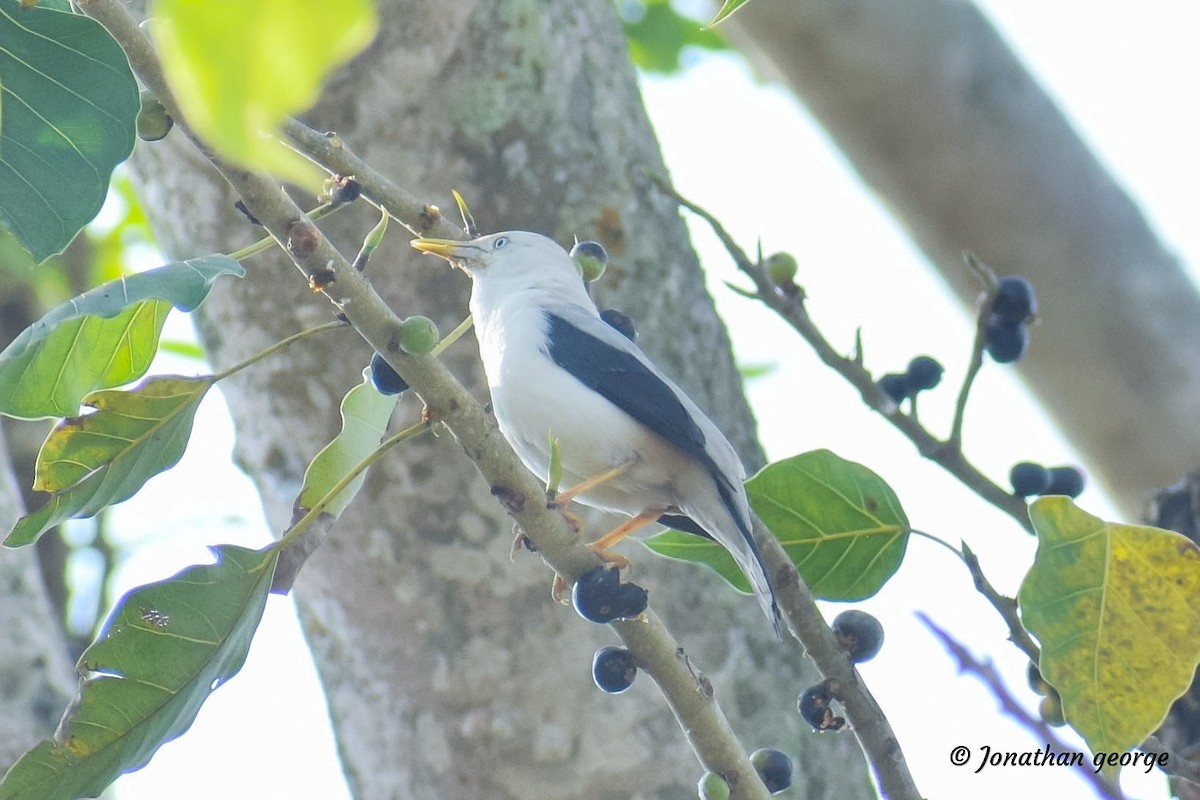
165, 649
365, 415
750, 372
1114, 607
103, 338
658, 35
239, 69
690, 547
727, 8
102, 458
840, 523
68, 103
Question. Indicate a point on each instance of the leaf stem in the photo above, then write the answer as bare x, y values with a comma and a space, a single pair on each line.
298, 527
453, 336
939, 540
282, 343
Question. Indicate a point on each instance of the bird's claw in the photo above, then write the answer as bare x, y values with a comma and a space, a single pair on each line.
521, 542
560, 591
573, 519
616, 559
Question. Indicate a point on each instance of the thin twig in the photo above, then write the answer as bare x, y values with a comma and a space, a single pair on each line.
792, 310
1006, 606
327, 150
986, 672
977, 346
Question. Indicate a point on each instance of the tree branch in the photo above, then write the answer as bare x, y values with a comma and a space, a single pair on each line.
796, 602
790, 306
449, 404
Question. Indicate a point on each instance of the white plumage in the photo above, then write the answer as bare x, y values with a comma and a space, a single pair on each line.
554, 367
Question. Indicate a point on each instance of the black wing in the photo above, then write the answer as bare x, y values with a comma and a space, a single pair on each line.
631, 386
627, 383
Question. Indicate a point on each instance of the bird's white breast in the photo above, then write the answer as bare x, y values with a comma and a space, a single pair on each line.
534, 398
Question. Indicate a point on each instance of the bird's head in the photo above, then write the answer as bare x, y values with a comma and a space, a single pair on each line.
509, 261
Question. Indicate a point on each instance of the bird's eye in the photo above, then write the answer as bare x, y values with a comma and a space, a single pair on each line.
501, 242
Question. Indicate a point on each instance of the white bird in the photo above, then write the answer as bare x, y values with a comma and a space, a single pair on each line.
631, 439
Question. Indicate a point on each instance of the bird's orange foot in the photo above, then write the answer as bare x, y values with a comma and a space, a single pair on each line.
620, 561
560, 591
521, 542
573, 519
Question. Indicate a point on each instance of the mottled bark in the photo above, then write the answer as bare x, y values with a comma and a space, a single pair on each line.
448, 670
35, 677
942, 120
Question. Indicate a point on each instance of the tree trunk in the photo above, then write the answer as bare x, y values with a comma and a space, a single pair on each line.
942, 120
448, 670
35, 677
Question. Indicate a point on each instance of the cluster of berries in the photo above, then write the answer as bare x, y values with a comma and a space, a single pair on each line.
599, 596
1050, 708
1006, 332
1030, 479
923, 373
861, 636
774, 769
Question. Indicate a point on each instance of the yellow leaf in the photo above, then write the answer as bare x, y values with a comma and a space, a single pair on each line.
238, 69
1116, 610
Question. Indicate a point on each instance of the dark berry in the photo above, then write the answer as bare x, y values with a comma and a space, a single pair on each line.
1036, 682
344, 190
1015, 301
814, 705
599, 596
1004, 340
1065, 480
894, 386
591, 258
712, 787
594, 594
631, 601
386, 379
621, 321
859, 634
613, 669
774, 768
923, 373
1028, 479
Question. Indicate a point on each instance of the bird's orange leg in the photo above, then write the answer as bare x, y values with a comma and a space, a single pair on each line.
563, 498
601, 548
601, 545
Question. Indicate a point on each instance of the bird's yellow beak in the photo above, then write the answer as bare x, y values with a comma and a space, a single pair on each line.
446, 248
459, 254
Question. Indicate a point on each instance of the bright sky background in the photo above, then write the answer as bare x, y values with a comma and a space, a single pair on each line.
1123, 77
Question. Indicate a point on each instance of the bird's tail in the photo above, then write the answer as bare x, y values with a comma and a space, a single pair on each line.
750, 558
